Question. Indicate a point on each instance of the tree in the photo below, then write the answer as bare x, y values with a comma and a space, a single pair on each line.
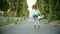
50, 8
18, 7
55, 9
13, 4
3, 6
22, 8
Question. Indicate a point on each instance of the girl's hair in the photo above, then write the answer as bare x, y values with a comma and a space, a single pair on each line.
34, 6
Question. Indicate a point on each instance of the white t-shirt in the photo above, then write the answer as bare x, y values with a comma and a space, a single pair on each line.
35, 12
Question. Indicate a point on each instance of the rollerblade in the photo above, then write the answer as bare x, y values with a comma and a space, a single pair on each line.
38, 26
34, 26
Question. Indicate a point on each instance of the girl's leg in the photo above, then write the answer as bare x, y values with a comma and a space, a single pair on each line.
37, 21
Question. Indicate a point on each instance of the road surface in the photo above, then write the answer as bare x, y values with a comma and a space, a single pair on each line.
26, 27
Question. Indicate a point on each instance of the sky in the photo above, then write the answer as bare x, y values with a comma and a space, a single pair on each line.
30, 4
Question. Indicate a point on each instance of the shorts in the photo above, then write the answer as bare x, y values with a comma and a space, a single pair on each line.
35, 16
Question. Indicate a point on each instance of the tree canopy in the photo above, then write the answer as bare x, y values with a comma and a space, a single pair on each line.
50, 8
18, 7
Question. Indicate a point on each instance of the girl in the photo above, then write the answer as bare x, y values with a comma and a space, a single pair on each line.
36, 13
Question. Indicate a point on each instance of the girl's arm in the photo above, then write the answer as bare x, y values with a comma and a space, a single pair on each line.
39, 12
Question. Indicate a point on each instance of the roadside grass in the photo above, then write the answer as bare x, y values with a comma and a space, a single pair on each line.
54, 22
9, 21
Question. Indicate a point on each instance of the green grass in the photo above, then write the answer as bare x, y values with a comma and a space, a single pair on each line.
46, 21
55, 22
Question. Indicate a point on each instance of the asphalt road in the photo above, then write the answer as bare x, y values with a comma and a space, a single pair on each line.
26, 27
